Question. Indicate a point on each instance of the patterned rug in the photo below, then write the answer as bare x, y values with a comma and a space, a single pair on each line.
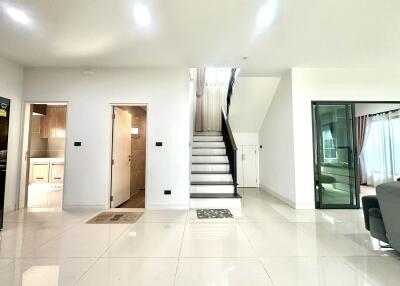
115, 218
213, 213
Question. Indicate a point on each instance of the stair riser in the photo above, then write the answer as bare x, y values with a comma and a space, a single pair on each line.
208, 138
215, 203
208, 144
210, 159
211, 178
210, 168
208, 133
209, 152
212, 189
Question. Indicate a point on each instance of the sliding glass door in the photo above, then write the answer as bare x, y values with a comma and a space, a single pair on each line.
335, 156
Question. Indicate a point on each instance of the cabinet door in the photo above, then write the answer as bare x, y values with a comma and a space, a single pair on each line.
40, 173
57, 173
44, 127
250, 166
239, 166
60, 122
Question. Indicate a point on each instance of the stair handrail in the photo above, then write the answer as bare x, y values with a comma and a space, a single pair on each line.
231, 147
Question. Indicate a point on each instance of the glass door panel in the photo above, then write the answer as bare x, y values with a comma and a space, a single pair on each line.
335, 157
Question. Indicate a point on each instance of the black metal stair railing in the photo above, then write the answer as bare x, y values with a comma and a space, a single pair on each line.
231, 148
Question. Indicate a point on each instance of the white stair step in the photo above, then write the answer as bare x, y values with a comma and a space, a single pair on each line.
207, 138
209, 144
207, 189
209, 151
208, 133
211, 178
210, 168
210, 159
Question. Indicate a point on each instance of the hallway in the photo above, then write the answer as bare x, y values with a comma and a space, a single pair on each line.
263, 243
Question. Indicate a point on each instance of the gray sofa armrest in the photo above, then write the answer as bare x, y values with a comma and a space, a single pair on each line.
389, 201
369, 202
377, 226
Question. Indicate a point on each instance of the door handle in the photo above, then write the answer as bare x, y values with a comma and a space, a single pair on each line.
130, 158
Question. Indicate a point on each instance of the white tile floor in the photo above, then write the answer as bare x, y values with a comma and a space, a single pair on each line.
268, 243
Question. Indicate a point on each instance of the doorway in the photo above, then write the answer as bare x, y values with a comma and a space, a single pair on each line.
128, 163
356, 147
42, 176
335, 156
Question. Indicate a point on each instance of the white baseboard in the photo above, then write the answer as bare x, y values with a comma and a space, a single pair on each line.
167, 207
100, 207
278, 196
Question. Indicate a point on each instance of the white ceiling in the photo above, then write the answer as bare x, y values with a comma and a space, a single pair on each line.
250, 102
304, 33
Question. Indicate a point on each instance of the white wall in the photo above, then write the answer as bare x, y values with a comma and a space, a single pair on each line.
330, 84
372, 108
276, 137
11, 76
250, 101
87, 174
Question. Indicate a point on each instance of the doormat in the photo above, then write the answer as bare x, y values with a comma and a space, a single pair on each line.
213, 213
115, 218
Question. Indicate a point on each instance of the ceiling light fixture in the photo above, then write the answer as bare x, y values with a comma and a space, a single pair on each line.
17, 15
266, 15
142, 15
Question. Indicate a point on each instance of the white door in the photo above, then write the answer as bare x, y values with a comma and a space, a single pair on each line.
250, 166
239, 166
121, 168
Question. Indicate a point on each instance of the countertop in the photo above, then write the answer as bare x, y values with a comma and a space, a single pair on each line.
47, 160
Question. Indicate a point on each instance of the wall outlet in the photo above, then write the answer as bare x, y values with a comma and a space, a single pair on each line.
167, 192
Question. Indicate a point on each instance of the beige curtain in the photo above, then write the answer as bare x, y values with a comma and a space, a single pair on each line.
215, 92
200, 82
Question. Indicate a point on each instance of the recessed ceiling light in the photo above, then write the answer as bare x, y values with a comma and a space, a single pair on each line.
17, 15
142, 15
266, 15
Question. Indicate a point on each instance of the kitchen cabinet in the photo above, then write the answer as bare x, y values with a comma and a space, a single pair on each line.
40, 172
56, 172
53, 124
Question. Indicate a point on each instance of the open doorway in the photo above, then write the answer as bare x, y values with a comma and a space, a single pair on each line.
42, 179
128, 175
378, 144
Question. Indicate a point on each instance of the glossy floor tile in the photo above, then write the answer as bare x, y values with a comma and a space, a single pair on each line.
131, 271
266, 243
221, 271
44, 272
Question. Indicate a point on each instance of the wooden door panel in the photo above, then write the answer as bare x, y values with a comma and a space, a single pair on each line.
121, 157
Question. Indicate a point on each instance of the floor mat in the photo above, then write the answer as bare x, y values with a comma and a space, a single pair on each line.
213, 213
115, 218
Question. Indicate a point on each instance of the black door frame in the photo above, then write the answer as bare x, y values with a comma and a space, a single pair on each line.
355, 155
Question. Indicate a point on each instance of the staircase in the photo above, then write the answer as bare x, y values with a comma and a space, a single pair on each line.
212, 184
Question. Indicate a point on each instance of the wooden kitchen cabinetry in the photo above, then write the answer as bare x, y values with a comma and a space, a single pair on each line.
52, 125
40, 173
56, 172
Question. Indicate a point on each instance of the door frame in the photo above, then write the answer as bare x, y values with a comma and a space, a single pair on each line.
109, 189
21, 200
356, 151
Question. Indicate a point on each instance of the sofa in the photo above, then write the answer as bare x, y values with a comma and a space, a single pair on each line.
382, 214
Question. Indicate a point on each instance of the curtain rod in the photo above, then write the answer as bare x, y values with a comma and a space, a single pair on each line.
384, 112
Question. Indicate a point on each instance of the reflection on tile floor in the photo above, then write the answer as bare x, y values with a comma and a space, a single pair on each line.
267, 243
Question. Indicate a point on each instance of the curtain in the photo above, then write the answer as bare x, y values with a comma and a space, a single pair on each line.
200, 82
215, 91
382, 149
363, 129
